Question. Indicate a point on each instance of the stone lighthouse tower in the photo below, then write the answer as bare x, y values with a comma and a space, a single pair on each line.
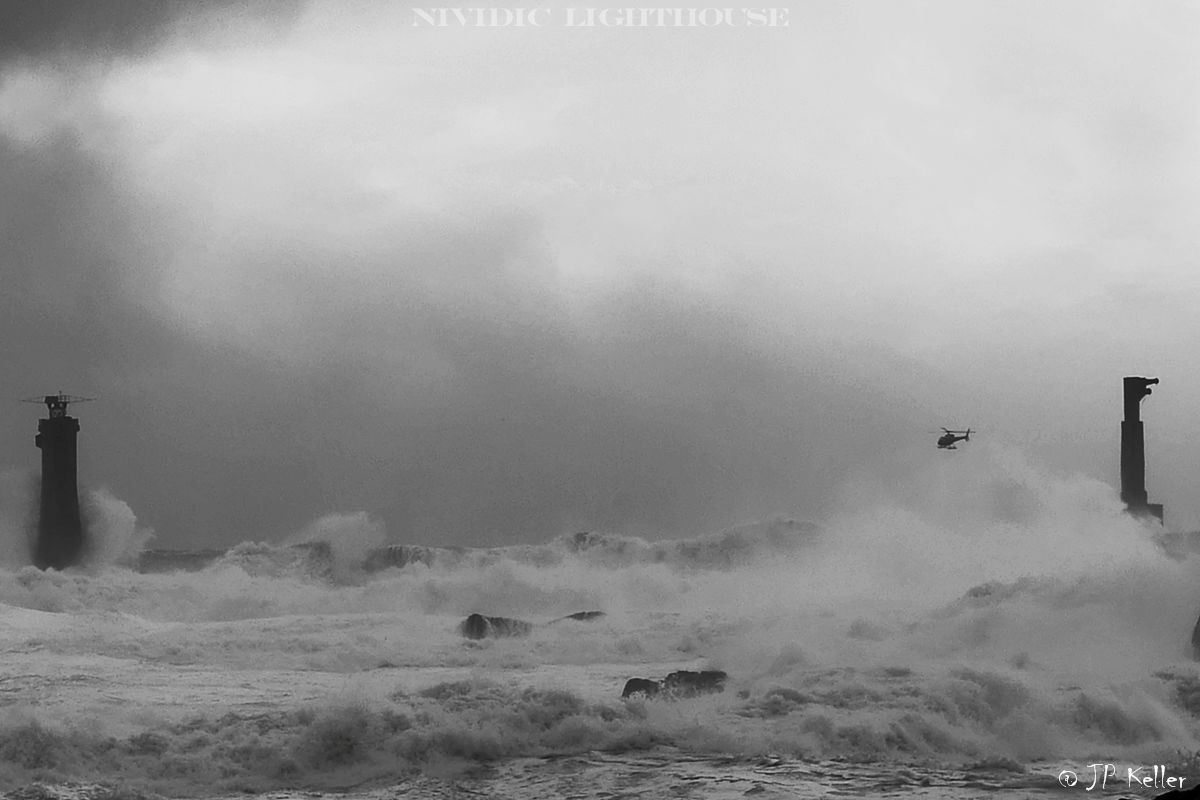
60, 531
1133, 451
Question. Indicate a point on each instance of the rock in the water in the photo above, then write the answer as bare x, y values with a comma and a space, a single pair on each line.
1180, 794
398, 555
643, 686
477, 626
684, 683
581, 616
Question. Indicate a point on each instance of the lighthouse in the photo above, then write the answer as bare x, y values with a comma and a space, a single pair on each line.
1133, 451
60, 530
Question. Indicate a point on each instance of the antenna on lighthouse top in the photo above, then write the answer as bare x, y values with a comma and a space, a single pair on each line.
57, 403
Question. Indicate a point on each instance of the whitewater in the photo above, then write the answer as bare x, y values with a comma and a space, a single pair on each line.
980, 628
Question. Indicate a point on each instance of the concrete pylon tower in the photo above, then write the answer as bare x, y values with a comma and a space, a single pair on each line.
1133, 451
60, 530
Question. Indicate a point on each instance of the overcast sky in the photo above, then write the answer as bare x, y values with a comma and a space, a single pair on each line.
493, 285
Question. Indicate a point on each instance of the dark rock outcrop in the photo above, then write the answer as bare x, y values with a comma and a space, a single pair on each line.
581, 616
477, 626
398, 555
643, 686
684, 683
1180, 794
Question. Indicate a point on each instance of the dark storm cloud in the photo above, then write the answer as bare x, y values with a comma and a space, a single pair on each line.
491, 299
510, 421
55, 216
53, 28
657, 414
71, 321
261, 368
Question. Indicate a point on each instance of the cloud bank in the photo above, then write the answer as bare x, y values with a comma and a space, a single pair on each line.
493, 284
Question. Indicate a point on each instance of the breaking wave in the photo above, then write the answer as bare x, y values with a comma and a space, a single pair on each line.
989, 618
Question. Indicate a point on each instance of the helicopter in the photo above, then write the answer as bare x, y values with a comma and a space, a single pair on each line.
946, 441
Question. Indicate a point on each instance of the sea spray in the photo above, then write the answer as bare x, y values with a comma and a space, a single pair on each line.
111, 532
349, 537
19, 493
992, 614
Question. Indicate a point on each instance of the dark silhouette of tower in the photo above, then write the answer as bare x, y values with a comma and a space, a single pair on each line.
1133, 452
60, 531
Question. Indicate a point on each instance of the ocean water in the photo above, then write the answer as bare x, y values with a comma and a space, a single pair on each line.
982, 630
